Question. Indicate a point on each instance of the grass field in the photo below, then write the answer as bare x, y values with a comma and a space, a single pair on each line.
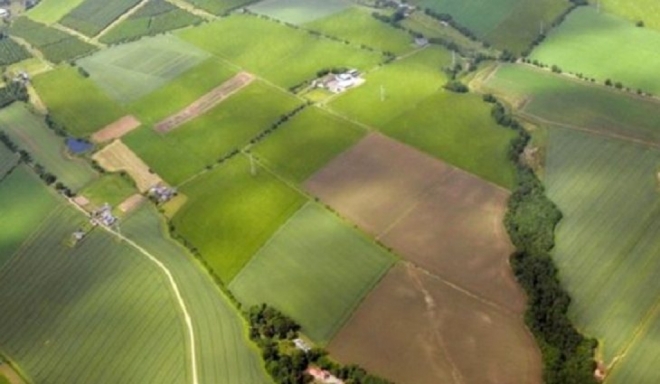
307, 142
11, 52
130, 71
219, 7
8, 160
299, 11
314, 261
220, 331
110, 188
30, 132
24, 203
607, 243
647, 11
358, 26
458, 129
394, 89
50, 11
507, 24
228, 203
230, 125
91, 16
548, 98
157, 17
278, 58
415, 329
584, 44
56, 46
72, 108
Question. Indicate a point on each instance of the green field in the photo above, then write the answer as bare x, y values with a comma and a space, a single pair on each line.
83, 108
287, 57
299, 11
548, 98
647, 11
110, 188
29, 132
92, 16
395, 88
221, 334
130, 71
57, 46
608, 242
219, 7
584, 44
188, 87
24, 205
307, 142
8, 160
315, 269
4, 379
358, 26
179, 154
158, 16
230, 214
507, 24
50, 11
458, 129
11, 52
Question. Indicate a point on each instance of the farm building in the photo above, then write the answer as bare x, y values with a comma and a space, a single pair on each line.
104, 216
421, 41
4, 12
323, 376
302, 345
162, 193
339, 82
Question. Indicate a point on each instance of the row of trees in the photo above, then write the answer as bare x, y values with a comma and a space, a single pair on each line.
530, 221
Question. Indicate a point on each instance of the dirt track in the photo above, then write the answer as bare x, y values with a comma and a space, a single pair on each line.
205, 103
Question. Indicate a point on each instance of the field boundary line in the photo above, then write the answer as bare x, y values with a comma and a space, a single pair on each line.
190, 8
74, 33
173, 285
118, 20
33, 51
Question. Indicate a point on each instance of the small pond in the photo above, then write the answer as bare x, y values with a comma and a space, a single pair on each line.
78, 146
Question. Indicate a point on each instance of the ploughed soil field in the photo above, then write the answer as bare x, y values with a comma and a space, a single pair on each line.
452, 311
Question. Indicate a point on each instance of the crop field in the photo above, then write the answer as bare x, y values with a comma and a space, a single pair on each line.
395, 88
307, 142
221, 335
74, 314
299, 11
508, 24
129, 71
110, 188
117, 157
25, 204
547, 98
229, 203
458, 129
11, 52
204, 140
116, 129
392, 191
608, 241
279, 58
415, 329
92, 16
219, 7
72, 108
358, 26
50, 11
647, 11
189, 86
30, 132
583, 44
313, 261
8, 160
157, 17
57, 46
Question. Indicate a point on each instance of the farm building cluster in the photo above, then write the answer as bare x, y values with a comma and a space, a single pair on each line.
339, 82
162, 193
103, 216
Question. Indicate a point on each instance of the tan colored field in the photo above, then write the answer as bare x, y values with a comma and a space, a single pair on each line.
117, 157
116, 130
415, 329
448, 225
206, 102
131, 203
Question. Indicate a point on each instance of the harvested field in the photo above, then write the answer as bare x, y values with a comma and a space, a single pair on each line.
206, 102
132, 203
116, 130
440, 218
435, 334
118, 157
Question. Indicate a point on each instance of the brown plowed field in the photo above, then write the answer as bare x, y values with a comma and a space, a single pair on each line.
116, 130
415, 329
117, 157
448, 224
206, 102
